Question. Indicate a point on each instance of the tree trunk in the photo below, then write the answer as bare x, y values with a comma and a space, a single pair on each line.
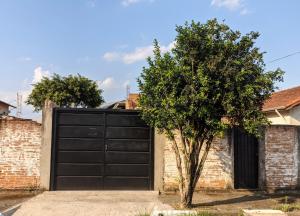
189, 166
187, 197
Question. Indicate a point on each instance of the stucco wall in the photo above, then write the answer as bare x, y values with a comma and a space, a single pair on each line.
20, 142
285, 117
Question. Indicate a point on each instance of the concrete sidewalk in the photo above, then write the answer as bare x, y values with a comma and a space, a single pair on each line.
81, 203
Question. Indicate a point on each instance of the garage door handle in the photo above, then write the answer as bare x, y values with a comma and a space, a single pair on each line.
105, 147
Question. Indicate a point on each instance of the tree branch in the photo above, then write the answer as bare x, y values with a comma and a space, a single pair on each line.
202, 161
178, 163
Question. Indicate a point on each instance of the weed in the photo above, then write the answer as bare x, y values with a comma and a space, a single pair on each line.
287, 207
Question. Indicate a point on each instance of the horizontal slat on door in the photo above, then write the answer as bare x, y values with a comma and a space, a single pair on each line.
79, 169
127, 157
126, 183
124, 120
81, 131
80, 144
127, 145
80, 157
127, 170
80, 119
79, 183
127, 133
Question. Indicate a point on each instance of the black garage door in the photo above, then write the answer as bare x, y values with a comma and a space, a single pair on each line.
96, 149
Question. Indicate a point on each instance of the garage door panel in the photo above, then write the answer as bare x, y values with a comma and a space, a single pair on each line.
127, 145
98, 149
127, 157
80, 144
80, 119
78, 183
81, 131
124, 120
127, 132
80, 157
127, 170
123, 183
65, 169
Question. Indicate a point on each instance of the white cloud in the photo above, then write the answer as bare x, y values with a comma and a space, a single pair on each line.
232, 5
127, 3
108, 83
24, 59
38, 74
111, 56
113, 89
229, 4
139, 54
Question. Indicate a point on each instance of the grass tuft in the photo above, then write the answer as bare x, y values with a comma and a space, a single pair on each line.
287, 207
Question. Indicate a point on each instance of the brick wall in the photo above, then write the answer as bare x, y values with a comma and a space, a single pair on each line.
217, 172
281, 158
278, 168
20, 142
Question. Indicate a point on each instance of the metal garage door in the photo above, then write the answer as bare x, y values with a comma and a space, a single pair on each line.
96, 149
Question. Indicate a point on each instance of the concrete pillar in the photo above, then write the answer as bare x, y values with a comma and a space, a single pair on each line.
159, 145
261, 160
297, 156
45, 160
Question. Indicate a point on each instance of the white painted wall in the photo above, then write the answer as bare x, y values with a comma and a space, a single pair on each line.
290, 117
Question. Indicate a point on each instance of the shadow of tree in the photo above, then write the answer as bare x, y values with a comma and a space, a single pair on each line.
245, 198
259, 196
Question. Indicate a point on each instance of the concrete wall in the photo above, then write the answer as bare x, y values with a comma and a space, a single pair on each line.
20, 142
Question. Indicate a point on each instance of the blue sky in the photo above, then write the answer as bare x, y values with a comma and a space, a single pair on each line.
108, 40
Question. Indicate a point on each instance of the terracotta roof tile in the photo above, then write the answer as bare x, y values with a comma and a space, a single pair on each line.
283, 100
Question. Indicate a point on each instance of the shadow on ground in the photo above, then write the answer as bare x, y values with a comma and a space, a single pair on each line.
234, 201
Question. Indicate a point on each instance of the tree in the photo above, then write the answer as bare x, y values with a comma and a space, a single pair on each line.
213, 79
70, 91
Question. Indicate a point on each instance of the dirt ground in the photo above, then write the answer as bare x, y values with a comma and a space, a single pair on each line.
231, 203
11, 198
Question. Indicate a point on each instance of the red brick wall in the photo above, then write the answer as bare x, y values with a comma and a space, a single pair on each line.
281, 158
20, 142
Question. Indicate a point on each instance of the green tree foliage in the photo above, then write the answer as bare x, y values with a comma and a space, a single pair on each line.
213, 79
70, 91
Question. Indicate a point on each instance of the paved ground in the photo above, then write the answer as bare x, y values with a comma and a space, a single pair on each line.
231, 202
11, 198
100, 203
